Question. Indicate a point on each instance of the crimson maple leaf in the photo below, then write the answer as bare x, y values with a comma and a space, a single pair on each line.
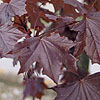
48, 51
87, 88
14, 7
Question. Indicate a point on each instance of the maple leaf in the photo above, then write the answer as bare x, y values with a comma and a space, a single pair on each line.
61, 6
48, 51
21, 23
69, 33
63, 26
52, 17
80, 44
70, 77
81, 37
14, 7
90, 27
64, 8
8, 38
36, 12
94, 3
65, 19
77, 5
51, 52
87, 88
34, 87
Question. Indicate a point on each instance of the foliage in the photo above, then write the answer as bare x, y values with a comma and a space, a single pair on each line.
57, 48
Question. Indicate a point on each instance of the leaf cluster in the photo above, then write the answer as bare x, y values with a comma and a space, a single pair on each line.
55, 45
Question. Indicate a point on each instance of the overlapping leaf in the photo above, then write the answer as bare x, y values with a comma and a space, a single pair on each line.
93, 40
8, 38
70, 77
48, 51
90, 26
66, 9
21, 23
80, 39
34, 87
94, 3
87, 88
14, 7
66, 19
76, 4
35, 12
62, 24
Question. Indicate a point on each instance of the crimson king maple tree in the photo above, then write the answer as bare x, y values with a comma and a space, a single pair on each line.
57, 48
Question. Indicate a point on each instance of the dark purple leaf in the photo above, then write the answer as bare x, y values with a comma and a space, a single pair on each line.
87, 88
34, 87
51, 52
93, 34
14, 7
90, 28
52, 17
77, 5
66, 19
8, 38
